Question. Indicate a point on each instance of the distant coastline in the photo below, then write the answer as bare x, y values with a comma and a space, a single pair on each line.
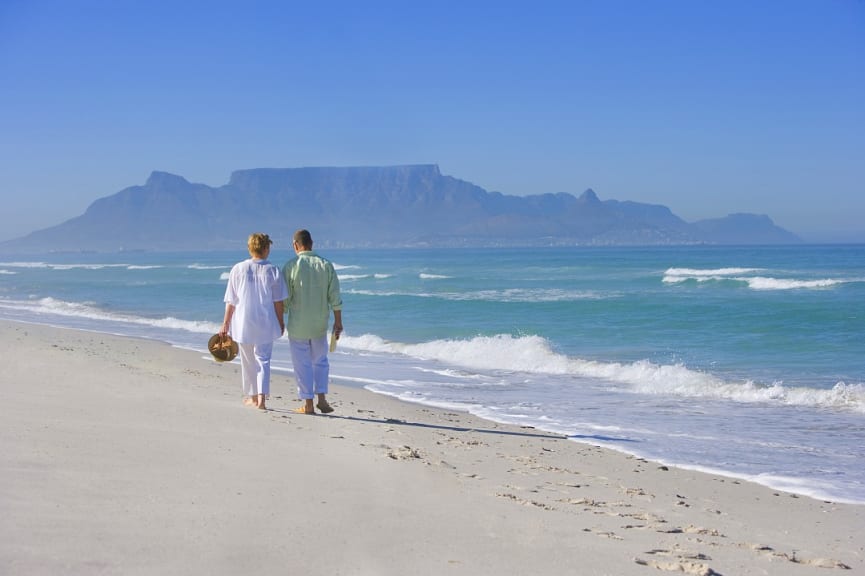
358, 207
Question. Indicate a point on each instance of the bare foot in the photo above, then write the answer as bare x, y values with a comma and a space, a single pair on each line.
304, 410
259, 402
249, 401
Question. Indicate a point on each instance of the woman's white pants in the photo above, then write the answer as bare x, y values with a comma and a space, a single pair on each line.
255, 368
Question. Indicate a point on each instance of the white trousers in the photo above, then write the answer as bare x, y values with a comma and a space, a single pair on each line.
311, 367
255, 368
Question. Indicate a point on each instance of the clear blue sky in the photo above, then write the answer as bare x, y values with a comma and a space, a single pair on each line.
706, 107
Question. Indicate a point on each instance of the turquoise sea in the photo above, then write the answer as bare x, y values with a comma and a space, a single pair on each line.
744, 361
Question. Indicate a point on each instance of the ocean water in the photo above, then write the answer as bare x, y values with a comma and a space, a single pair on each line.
743, 361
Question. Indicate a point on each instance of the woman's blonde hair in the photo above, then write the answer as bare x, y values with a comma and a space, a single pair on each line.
258, 243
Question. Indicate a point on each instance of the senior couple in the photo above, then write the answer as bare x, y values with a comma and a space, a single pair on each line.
258, 296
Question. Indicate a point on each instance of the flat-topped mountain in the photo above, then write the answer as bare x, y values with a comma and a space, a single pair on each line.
373, 206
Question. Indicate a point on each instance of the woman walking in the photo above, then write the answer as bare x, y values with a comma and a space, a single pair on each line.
254, 316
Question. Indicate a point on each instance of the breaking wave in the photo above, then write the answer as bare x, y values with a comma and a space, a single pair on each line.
62, 308
533, 354
741, 275
508, 295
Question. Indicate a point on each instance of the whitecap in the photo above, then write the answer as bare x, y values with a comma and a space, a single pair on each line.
710, 272
763, 283
533, 354
24, 264
88, 311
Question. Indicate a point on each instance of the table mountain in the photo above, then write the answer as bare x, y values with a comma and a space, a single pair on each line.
373, 206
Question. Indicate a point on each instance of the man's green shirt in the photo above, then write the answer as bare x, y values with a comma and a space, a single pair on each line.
313, 291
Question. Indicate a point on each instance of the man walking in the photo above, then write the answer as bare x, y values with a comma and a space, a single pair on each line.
313, 291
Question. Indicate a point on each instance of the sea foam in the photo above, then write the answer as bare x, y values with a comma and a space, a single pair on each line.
87, 311
506, 295
533, 354
46, 265
680, 275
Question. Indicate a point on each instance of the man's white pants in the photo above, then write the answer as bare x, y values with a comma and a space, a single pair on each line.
255, 368
311, 368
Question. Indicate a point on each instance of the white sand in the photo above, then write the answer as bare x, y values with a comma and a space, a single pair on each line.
123, 456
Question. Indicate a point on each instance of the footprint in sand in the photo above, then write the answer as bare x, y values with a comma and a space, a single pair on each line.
525, 502
816, 562
687, 563
404, 453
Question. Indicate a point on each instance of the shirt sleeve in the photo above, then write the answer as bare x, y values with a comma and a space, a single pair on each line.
230, 289
286, 278
279, 289
333, 297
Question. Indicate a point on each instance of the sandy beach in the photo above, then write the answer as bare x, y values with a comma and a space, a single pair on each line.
126, 456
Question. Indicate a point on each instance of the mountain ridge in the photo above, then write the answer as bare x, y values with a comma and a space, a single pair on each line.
410, 205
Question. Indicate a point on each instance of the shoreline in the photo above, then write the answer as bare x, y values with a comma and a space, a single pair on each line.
122, 455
